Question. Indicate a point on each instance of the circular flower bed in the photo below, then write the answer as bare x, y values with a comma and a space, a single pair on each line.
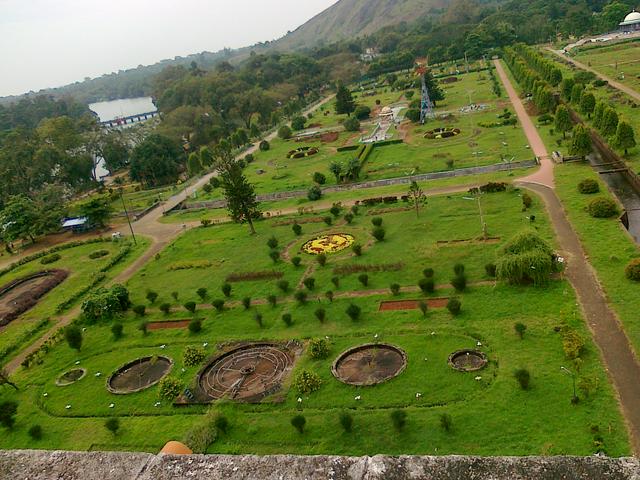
139, 374
369, 364
443, 132
468, 360
302, 152
331, 243
72, 376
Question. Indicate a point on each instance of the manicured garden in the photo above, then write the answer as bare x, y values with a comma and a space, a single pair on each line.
617, 61
520, 403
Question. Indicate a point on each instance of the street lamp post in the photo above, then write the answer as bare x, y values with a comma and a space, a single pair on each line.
565, 370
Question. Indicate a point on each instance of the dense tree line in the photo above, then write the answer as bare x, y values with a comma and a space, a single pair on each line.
28, 112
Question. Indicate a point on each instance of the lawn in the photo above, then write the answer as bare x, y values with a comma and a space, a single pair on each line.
490, 414
619, 61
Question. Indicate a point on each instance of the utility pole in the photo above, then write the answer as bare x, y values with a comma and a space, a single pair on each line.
127, 215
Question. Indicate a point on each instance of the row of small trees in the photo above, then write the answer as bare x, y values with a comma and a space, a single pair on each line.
526, 76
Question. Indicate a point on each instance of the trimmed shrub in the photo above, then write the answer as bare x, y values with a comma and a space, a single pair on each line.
284, 132
218, 304
428, 273
520, 328
246, 303
272, 242
143, 327
446, 423
376, 221
490, 269
329, 295
398, 419
190, 306
283, 285
296, 261
35, 432
297, 229
454, 306
264, 146
298, 423
363, 278
152, 296
301, 296
335, 210
193, 356
632, 270
357, 249
202, 293
378, 233
319, 178
336, 281
351, 124
458, 269
309, 283
165, 308
274, 255
346, 421
314, 193
195, 325
49, 259
226, 289
603, 208
395, 288
459, 282
139, 310
588, 186
328, 220
321, 314
523, 377
258, 318
273, 300
527, 201
287, 319
113, 425
169, 388
423, 307
321, 259
427, 285
307, 382
116, 330
348, 217
319, 348
98, 254
353, 311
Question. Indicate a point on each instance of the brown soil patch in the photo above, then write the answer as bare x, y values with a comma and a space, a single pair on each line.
329, 137
391, 305
20, 295
170, 324
369, 364
139, 374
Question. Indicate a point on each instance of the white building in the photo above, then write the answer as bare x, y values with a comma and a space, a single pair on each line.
631, 22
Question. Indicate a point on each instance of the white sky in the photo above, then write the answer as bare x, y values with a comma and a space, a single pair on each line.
48, 43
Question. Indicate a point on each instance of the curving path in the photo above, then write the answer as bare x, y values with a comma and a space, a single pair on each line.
618, 354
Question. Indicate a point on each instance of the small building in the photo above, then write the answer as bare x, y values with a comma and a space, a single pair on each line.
631, 22
76, 225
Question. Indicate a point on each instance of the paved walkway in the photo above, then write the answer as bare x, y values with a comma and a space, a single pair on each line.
615, 84
618, 355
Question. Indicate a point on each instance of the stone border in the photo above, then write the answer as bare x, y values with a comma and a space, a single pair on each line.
131, 363
60, 384
477, 353
334, 366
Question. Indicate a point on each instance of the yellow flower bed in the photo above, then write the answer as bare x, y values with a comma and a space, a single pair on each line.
332, 243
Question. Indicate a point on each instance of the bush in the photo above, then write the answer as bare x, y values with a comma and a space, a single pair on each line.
398, 419
527, 257
603, 208
314, 193
215, 182
321, 314
527, 201
143, 327
490, 269
335, 210
272, 242
307, 382
588, 186
348, 217
273, 300
274, 255
8, 410
446, 422
264, 146
458, 269
319, 178
195, 325
423, 307
202, 293
357, 249
353, 311
165, 308
428, 273
49, 259
376, 221
139, 310
321, 259
283, 285
319, 348
351, 124
454, 306
193, 356
520, 328
284, 132
427, 285
297, 123
296, 261
169, 388
335, 281
287, 319
152, 296
523, 377
218, 304
378, 233
301, 297
246, 303
632, 270
258, 318
116, 330
459, 282
572, 343
297, 229
363, 278
98, 254
35, 432
298, 423
113, 425
226, 289
202, 434
190, 306
362, 112
329, 295
395, 288
175, 295
346, 421
328, 220
309, 282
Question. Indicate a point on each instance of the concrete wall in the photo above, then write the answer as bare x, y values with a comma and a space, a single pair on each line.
45, 465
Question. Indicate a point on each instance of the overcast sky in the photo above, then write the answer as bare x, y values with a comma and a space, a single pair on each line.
48, 43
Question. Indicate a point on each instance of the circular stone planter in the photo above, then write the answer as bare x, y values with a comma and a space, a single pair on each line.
70, 377
443, 132
302, 152
139, 374
369, 364
248, 373
330, 243
468, 360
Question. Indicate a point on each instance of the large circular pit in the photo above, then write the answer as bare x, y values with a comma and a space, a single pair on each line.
331, 243
71, 376
369, 364
248, 373
467, 360
139, 374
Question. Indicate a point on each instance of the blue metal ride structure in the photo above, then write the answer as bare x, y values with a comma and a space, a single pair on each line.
426, 106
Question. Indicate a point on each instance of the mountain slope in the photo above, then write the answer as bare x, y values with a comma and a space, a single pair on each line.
352, 18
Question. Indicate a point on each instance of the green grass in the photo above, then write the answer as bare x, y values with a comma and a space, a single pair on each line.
605, 59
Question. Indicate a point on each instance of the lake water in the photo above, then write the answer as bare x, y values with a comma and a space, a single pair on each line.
124, 107
113, 109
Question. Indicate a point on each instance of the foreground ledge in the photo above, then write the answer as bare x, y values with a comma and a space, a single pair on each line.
41, 465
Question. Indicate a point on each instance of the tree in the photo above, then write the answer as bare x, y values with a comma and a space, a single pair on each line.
113, 425
73, 336
435, 92
609, 122
563, 122
625, 137
284, 132
194, 166
238, 192
576, 93
298, 423
336, 169
587, 104
417, 198
8, 412
97, 211
581, 144
18, 219
298, 123
344, 101
351, 124
155, 160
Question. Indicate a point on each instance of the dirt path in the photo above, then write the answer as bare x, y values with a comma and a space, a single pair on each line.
615, 84
616, 351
